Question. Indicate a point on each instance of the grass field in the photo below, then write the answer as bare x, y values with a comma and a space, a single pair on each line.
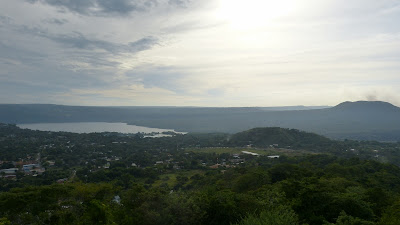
170, 178
266, 151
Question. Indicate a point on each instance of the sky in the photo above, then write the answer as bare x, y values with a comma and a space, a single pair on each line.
199, 52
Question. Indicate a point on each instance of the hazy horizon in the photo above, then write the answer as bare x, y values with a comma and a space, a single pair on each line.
215, 53
205, 106
188, 106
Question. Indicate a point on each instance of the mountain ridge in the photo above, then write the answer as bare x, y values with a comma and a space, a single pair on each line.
360, 120
365, 105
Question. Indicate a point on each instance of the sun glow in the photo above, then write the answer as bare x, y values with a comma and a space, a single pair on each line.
247, 14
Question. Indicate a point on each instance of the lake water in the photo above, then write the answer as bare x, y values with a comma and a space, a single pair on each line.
91, 127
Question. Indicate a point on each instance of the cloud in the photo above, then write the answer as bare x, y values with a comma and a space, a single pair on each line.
216, 92
163, 77
5, 20
71, 49
14, 55
109, 8
371, 96
181, 3
182, 48
143, 43
78, 6
78, 40
100, 7
56, 21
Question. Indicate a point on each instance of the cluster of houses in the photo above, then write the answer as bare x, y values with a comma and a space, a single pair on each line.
236, 160
9, 173
33, 169
175, 165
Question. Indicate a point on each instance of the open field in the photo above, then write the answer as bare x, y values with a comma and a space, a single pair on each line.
171, 178
260, 151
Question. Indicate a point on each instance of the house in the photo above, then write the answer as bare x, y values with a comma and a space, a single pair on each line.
29, 167
215, 166
10, 171
51, 162
11, 177
117, 199
176, 167
61, 181
237, 160
38, 170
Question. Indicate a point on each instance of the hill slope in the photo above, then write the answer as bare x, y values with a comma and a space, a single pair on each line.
266, 136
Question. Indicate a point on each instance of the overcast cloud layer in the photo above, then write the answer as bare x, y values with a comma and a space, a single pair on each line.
199, 53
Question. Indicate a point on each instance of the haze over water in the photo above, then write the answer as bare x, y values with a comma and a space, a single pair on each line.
91, 127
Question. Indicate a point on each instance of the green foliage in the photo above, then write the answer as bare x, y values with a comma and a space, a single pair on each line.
251, 181
96, 212
345, 219
391, 215
295, 189
4, 221
282, 215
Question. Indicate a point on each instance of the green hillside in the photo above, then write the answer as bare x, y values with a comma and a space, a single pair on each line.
282, 137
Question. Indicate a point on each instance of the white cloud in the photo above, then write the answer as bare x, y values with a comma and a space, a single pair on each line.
308, 52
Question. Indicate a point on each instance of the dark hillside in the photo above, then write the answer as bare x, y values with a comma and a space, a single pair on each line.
266, 136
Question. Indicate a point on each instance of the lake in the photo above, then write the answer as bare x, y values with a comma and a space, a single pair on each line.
91, 127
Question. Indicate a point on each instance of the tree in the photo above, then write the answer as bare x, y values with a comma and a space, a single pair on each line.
345, 219
392, 215
4, 221
282, 215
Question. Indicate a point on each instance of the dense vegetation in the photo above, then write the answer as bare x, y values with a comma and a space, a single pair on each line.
170, 181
